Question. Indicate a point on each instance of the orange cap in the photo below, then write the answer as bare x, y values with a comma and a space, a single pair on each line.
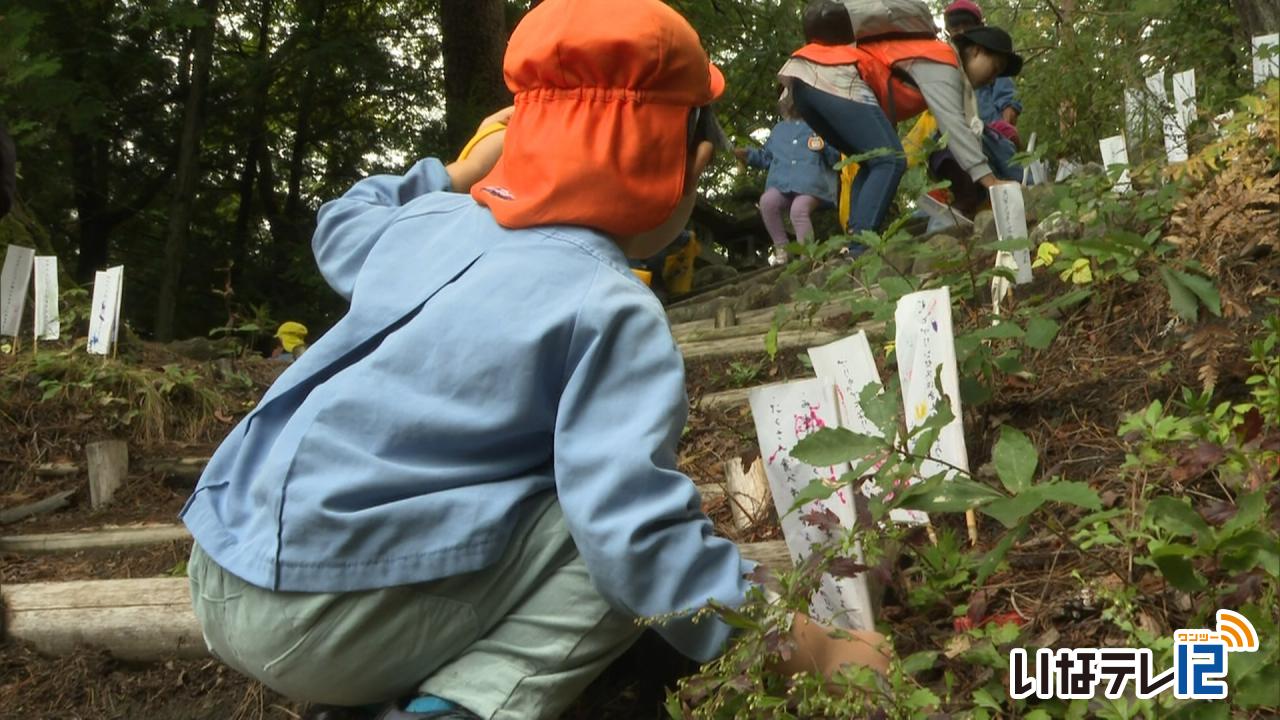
603, 94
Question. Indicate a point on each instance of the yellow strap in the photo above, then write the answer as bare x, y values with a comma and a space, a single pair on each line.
481, 134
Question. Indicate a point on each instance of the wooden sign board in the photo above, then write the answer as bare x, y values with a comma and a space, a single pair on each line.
849, 366
15, 278
1010, 212
1066, 169
1177, 118
1265, 67
925, 343
47, 324
785, 414
1035, 172
105, 312
1114, 152
941, 212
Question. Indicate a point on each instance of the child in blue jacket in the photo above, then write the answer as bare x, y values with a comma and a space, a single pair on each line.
460, 499
801, 179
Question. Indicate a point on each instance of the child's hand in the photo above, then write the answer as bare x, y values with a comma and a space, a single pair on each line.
990, 181
741, 154
818, 651
479, 158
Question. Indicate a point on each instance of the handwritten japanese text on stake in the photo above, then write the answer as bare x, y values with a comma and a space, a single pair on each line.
14, 281
924, 344
785, 414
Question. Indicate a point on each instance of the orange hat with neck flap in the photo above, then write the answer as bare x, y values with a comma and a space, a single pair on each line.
603, 95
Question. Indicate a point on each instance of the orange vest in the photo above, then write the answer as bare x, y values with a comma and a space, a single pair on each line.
899, 98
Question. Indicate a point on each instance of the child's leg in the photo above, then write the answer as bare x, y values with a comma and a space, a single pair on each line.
855, 128
801, 216
773, 204
542, 655
369, 647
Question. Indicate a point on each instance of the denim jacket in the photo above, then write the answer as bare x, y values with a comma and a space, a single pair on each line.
793, 166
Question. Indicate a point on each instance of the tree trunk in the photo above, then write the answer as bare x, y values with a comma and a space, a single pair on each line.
188, 171
257, 134
1258, 17
89, 189
475, 38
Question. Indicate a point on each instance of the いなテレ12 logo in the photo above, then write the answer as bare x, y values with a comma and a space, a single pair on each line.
1199, 671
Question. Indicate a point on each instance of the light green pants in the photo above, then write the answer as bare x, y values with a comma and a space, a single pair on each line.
517, 641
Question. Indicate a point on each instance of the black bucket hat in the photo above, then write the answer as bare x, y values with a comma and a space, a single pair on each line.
997, 41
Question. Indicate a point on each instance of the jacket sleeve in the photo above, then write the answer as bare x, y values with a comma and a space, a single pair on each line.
636, 520
760, 158
1004, 95
831, 156
943, 90
349, 227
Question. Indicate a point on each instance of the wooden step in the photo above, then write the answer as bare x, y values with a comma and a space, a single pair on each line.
141, 619
106, 538
838, 305
754, 344
150, 619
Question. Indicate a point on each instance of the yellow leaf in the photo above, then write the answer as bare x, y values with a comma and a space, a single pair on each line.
1080, 272
1045, 254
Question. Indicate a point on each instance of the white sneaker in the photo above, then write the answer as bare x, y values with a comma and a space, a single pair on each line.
778, 257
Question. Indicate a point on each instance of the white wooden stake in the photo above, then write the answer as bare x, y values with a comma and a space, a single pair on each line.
1114, 152
848, 366
46, 310
15, 278
748, 491
925, 342
108, 462
1268, 67
783, 415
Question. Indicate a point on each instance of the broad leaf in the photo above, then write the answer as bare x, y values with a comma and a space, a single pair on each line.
995, 556
1175, 564
998, 332
1015, 459
833, 446
1072, 493
1203, 289
952, 496
1040, 332
1011, 511
816, 490
919, 662
1176, 516
895, 287
1180, 296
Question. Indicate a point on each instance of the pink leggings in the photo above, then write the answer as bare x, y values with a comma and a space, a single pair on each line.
774, 202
